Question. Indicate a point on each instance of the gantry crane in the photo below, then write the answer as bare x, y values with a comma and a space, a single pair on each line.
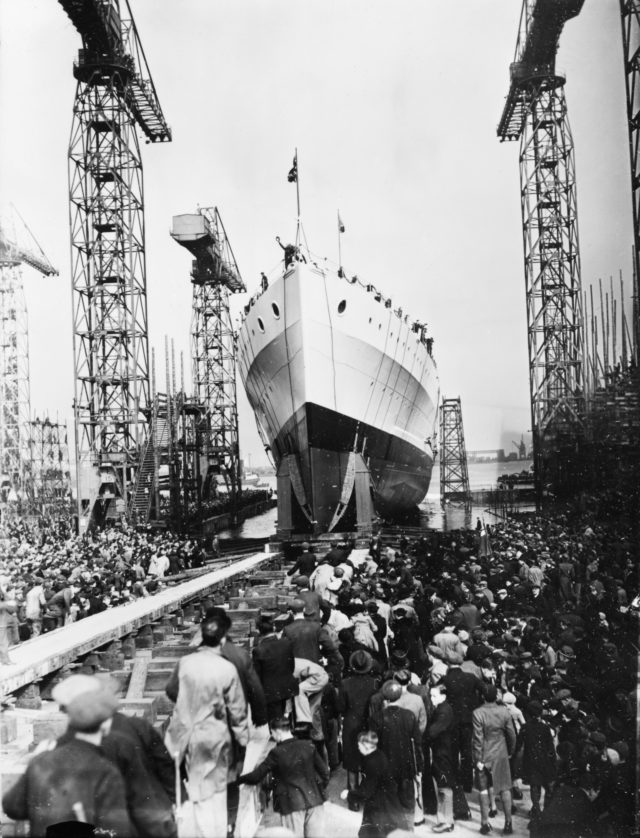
454, 473
536, 113
630, 14
115, 95
215, 276
18, 247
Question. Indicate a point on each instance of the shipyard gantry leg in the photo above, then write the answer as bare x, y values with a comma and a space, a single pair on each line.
215, 276
115, 95
630, 12
50, 473
536, 113
454, 474
18, 247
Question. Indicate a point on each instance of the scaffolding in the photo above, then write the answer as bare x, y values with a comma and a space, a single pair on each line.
114, 96
215, 276
50, 471
454, 474
536, 113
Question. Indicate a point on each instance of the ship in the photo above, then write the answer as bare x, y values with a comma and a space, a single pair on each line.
345, 392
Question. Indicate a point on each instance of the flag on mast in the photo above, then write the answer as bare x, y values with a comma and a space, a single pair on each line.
292, 177
340, 224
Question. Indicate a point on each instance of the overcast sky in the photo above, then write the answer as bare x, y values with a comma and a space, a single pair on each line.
393, 107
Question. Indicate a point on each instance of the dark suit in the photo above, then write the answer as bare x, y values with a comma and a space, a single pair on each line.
76, 772
464, 693
439, 734
274, 664
251, 684
382, 812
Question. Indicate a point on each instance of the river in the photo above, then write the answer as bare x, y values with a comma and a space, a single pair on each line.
481, 476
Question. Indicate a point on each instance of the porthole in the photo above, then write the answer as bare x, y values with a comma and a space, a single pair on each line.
341, 306
275, 310
260, 324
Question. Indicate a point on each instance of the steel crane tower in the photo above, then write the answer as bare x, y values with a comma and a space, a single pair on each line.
115, 96
215, 276
630, 14
536, 112
18, 247
454, 474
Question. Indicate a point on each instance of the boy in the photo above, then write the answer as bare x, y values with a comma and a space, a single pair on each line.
300, 776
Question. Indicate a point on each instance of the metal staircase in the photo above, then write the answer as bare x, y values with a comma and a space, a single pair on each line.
154, 454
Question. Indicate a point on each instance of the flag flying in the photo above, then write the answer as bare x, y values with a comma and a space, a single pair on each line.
292, 177
340, 224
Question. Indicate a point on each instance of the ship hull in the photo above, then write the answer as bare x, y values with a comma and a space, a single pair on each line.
330, 371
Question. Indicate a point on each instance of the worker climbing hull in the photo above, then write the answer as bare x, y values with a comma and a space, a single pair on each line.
340, 383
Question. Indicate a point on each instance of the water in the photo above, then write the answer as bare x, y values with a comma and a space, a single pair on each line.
481, 476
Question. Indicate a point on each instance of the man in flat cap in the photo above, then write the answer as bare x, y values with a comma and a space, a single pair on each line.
74, 781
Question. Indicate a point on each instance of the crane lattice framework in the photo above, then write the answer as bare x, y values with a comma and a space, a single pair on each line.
18, 247
215, 276
115, 95
454, 473
630, 13
536, 112
50, 473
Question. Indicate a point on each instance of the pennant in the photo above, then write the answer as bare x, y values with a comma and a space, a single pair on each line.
292, 177
340, 224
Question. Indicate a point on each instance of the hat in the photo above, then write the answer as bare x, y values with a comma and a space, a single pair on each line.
622, 748
563, 694
566, 652
305, 545
280, 621
87, 710
463, 635
391, 691
453, 658
298, 606
598, 739
360, 662
534, 708
526, 656
398, 657
72, 687
301, 581
402, 677
508, 698
338, 571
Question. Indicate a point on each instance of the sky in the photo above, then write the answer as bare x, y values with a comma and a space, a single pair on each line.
393, 107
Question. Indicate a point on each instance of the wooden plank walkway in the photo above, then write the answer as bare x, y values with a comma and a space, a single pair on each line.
35, 658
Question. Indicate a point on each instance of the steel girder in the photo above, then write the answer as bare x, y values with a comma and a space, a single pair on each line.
552, 265
108, 279
454, 474
15, 400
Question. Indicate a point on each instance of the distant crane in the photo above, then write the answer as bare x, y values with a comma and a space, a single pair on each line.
215, 276
114, 96
521, 448
535, 111
18, 247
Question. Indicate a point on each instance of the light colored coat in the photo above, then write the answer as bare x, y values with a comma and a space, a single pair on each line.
210, 713
494, 741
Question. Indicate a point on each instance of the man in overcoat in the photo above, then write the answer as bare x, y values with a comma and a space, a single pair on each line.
274, 663
209, 729
539, 756
440, 737
354, 696
494, 741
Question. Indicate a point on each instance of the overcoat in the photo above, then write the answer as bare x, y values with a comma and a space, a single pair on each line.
381, 810
539, 754
439, 735
353, 700
274, 663
494, 741
209, 718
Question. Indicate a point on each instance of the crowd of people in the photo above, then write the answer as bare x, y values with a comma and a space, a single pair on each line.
50, 578
498, 663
